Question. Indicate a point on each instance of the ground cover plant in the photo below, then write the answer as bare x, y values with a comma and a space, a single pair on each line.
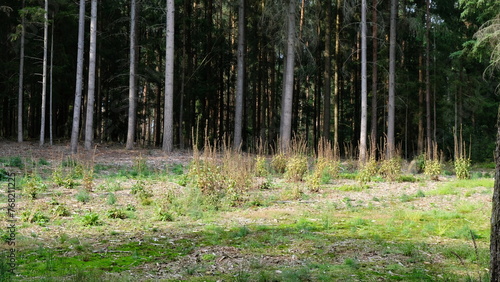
147, 216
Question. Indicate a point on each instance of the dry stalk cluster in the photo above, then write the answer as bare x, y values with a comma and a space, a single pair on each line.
462, 161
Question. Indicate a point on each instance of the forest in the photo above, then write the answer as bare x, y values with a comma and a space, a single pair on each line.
257, 140
342, 84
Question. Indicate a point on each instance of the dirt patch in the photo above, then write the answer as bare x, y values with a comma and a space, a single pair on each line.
102, 154
216, 260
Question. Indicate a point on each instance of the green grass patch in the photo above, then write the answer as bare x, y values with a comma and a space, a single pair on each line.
352, 187
455, 187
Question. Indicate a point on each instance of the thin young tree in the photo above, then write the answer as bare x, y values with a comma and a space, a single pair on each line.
327, 72
427, 78
391, 111
336, 73
364, 90
21, 80
51, 84
240, 80
44, 73
89, 121
373, 135
288, 74
132, 92
168, 121
79, 79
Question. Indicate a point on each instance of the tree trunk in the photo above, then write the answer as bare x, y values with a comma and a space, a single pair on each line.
132, 92
44, 74
21, 83
158, 121
287, 99
364, 90
184, 63
240, 72
336, 76
327, 73
427, 80
392, 81
79, 79
421, 135
50, 84
373, 136
89, 121
495, 215
168, 140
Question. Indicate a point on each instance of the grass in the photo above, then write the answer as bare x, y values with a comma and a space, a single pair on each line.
283, 231
457, 186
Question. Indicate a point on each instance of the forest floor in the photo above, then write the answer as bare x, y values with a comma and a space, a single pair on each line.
134, 215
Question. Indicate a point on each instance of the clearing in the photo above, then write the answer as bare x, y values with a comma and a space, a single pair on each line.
141, 215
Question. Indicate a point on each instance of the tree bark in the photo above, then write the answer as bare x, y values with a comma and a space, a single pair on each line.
495, 215
79, 79
327, 73
364, 90
44, 74
240, 72
336, 76
89, 121
427, 80
392, 81
51, 84
287, 99
373, 136
132, 93
168, 140
421, 135
21, 82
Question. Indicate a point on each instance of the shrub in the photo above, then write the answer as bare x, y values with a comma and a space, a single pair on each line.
177, 169
63, 180
296, 168
34, 216
313, 181
260, 167
60, 210
164, 215
278, 163
43, 161
69, 162
462, 168
116, 213
432, 169
138, 187
111, 200
323, 172
367, 171
420, 163
207, 176
82, 196
88, 177
236, 171
90, 219
32, 185
390, 169
140, 167
15, 162
140, 190
3, 174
